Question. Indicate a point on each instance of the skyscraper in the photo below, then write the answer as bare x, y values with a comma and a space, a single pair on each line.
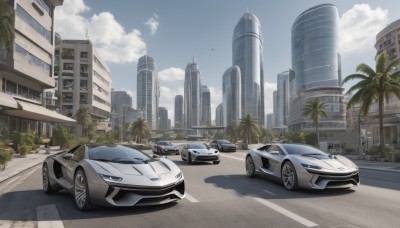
192, 96
178, 116
282, 98
231, 95
316, 68
247, 48
219, 115
163, 122
148, 90
205, 105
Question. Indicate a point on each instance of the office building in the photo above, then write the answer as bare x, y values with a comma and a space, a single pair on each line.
163, 122
247, 54
148, 90
83, 79
270, 121
192, 95
282, 99
178, 114
26, 68
316, 69
219, 115
121, 105
231, 95
205, 105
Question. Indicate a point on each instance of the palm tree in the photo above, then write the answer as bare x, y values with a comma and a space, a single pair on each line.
84, 119
6, 24
140, 129
231, 132
314, 109
375, 86
248, 128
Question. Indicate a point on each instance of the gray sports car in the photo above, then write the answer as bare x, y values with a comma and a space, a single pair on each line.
113, 175
302, 166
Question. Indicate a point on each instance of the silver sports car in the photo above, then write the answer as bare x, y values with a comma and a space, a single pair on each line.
302, 166
113, 175
199, 153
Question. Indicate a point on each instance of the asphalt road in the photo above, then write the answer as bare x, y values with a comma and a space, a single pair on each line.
217, 196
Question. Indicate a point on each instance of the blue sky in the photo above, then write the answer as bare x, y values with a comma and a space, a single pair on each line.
175, 31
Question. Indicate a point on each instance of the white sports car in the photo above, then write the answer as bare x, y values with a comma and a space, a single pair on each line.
199, 153
302, 166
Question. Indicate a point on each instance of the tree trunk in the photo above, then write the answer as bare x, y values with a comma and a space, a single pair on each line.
381, 133
317, 132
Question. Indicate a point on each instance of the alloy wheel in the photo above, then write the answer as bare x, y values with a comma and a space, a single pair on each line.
289, 177
250, 169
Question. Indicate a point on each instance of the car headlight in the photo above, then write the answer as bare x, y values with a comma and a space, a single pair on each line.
215, 151
195, 152
179, 176
311, 166
110, 178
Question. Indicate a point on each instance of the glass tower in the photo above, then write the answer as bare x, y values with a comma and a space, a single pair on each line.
178, 115
282, 99
247, 48
205, 105
148, 90
316, 68
192, 96
231, 94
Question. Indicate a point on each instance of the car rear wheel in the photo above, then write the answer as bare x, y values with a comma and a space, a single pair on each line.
46, 180
289, 176
220, 148
250, 167
81, 191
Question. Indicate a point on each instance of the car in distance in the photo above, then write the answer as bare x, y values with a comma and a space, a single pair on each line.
223, 145
112, 175
199, 153
301, 166
164, 147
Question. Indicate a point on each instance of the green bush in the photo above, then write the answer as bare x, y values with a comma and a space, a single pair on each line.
74, 141
61, 137
25, 149
6, 154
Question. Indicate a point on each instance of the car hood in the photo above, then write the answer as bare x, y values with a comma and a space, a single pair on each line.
168, 147
203, 151
333, 162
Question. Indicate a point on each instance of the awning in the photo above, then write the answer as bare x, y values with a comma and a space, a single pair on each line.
37, 112
7, 101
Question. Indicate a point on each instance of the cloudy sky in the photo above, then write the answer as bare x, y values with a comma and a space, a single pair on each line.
175, 31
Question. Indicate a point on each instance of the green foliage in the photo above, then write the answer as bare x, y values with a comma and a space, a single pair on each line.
20, 138
74, 141
140, 129
84, 119
180, 136
301, 137
6, 24
6, 154
231, 132
315, 110
25, 149
38, 140
107, 138
248, 129
61, 137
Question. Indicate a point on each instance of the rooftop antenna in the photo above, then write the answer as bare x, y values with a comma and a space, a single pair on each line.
87, 34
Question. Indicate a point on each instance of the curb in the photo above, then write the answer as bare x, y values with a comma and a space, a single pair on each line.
21, 171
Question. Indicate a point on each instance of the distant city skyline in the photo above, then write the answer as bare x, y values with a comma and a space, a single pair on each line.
125, 30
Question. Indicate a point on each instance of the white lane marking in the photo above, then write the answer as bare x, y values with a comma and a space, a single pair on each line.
16, 181
223, 155
271, 193
287, 213
191, 198
48, 217
12, 224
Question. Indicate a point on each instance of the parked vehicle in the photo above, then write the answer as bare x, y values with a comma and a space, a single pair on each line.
302, 166
199, 153
164, 147
223, 145
113, 175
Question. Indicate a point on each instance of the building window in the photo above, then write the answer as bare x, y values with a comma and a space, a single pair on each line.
67, 97
25, 16
84, 70
32, 58
83, 99
68, 84
11, 87
43, 5
83, 85
67, 53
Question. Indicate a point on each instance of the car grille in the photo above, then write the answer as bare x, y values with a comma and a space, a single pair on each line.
207, 158
144, 191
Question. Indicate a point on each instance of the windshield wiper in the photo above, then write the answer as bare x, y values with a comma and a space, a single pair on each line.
310, 154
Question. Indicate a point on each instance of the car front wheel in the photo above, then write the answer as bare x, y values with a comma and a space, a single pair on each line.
250, 167
46, 180
81, 191
190, 159
289, 176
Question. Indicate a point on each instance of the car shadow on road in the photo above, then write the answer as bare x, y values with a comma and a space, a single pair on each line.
25, 203
268, 188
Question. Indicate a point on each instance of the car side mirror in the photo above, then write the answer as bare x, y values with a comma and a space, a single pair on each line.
67, 156
156, 156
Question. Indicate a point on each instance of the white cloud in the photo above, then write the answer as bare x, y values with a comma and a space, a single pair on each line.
108, 35
358, 27
268, 100
171, 74
153, 24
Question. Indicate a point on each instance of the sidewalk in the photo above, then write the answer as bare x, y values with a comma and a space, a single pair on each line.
375, 165
17, 165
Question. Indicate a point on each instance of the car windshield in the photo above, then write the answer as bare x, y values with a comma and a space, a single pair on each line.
223, 142
117, 154
197, 146
164, 143
302, 149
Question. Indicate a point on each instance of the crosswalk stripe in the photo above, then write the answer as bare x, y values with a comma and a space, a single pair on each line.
48, 217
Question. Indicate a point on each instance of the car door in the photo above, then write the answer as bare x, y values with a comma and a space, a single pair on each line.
72, 162
275, 155
185, 151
